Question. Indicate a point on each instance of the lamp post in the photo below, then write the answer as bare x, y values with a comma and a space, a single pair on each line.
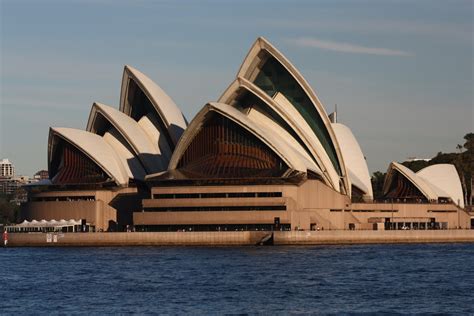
457, 208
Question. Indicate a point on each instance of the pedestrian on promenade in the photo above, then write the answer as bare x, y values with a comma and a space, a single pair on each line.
5, 238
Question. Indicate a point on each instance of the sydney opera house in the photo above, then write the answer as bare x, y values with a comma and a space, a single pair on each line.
264, 156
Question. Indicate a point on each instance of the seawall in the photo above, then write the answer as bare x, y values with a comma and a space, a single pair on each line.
135, 239
236, 238
372, 237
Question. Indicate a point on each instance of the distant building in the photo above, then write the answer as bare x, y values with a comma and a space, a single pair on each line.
7, 170
12, 185
41, 175
9, 185
410, 159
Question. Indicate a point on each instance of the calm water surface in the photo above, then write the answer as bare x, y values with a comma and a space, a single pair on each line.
436, 278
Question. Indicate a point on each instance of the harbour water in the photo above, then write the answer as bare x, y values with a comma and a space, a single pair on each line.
410, 278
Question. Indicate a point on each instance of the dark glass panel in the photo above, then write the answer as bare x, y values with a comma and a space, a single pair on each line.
101, 125
249, 100
273, 78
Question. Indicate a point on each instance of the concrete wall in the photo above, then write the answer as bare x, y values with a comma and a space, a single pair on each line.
238, 238
211, 218
316, 195
449, 213
101, 213
308, 204
301, 203
312, 202
94, 212
368, 237
217, 217
137, 239
222, 188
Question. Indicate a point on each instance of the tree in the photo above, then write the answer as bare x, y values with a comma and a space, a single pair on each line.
468, 164
377, 184
416, 165
469, 144
7, 210
459, 163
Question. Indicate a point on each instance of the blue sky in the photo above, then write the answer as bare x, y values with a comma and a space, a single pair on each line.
401, 72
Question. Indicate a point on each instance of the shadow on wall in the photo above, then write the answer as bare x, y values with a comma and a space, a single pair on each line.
126, 204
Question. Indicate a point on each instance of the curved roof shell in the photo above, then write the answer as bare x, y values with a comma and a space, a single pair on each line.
434, 182
354, 159
95, 148
134, 168
313, 113
288, 154
267, 124
300, 130
167, 111
445, 181
148, 152
418, 182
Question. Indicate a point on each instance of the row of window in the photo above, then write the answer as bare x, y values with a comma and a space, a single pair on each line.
219, 227
366, 211
369, 211
216, 195
416, 225
63, 198
216, 208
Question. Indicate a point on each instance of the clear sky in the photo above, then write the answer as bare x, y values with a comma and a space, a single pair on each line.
401, 72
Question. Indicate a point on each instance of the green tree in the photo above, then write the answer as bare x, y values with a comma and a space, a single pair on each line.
377, 180
469, 144
8, 210
416, 165
468, 165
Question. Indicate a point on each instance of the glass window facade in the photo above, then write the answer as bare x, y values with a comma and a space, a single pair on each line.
223, 149
71, 166
248, 100
273, 78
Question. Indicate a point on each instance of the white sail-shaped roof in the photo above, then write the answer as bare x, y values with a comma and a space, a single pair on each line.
94, 147
132, 165
418, 182
167, 111
261, 52
144, 149
434, 182
445, 181
354, 159
156, 136
266, 123
288, 154
295, 122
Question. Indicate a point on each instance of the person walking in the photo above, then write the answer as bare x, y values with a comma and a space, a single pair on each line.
5, 238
